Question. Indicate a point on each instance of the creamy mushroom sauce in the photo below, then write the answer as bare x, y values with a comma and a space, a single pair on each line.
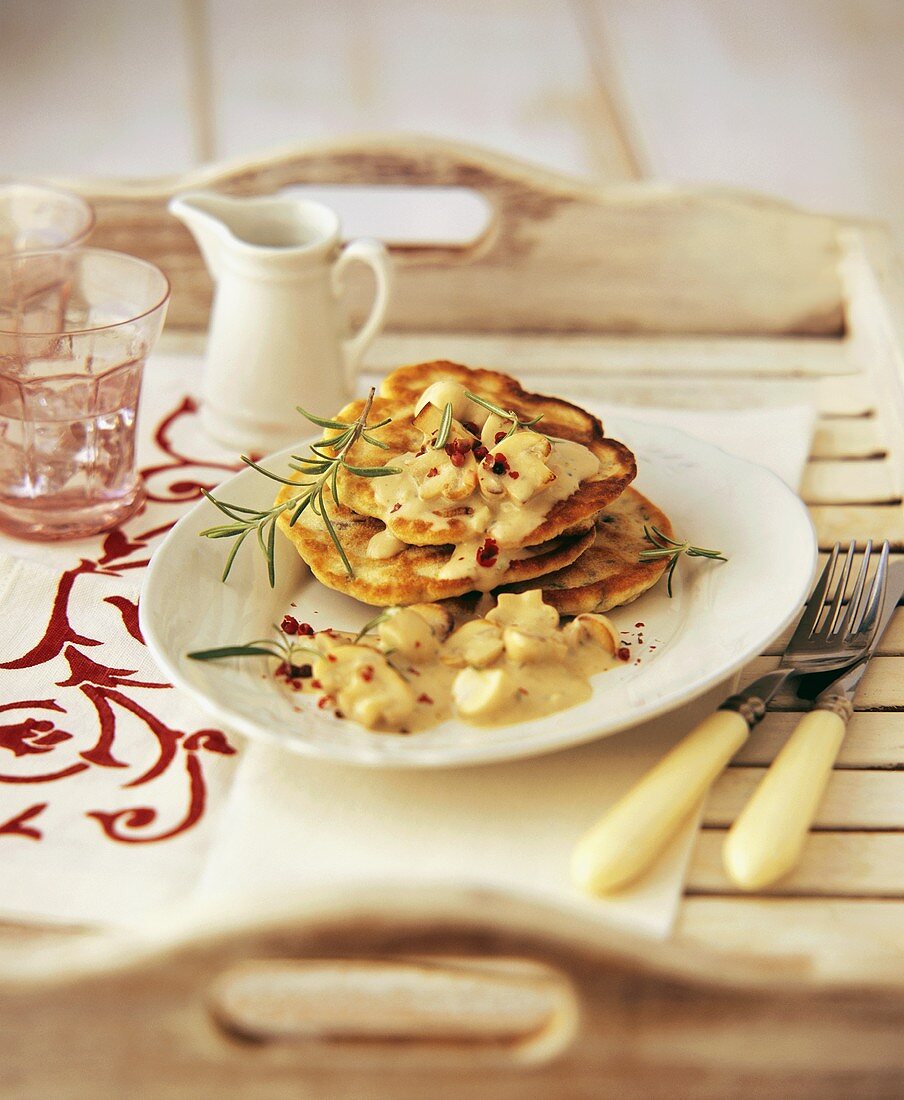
501, 483
515, 663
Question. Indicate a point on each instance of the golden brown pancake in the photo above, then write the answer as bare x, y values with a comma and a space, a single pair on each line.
398, 393
609, 573
412, 576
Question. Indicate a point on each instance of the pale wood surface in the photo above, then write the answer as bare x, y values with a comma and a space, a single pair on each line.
856, 799
793, 925
834, 864
734, 1004
875, 739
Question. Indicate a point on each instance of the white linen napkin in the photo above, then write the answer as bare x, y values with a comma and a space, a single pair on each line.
291, 823
109, 779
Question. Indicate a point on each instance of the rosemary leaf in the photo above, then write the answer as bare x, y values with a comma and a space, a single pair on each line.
221, 532
271, 553
267, 473
331, 530
375, 442
296, 515
229, 509
666, 547
232, 651
322, 422
334, 484
319, 470
381, 617
232, 553
311, 466
506, 414
442, 436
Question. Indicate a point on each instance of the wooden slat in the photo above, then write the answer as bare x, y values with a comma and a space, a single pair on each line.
882, 686
688, 356
853, 799
835, 939
643, 391
874, 739
833, 482
837, 397
833, 865
890, 644
874, 283
856, 437
851, 395
837, 523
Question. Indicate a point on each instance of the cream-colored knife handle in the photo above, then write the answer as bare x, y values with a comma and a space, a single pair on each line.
623, 843
768, 837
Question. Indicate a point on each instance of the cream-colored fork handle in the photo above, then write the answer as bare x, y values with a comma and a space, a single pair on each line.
626, 840
768, 837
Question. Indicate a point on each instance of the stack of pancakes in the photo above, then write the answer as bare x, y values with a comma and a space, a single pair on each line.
583, 553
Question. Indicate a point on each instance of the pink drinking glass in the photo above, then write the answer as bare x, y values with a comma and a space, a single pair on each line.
76, 326
33, 216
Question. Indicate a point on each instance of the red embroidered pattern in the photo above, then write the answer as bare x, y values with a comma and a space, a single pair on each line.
28, 727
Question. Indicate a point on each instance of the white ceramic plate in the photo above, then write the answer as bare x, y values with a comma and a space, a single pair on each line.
720, 617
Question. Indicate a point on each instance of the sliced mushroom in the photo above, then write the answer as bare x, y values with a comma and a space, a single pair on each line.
593, 628
475, 644
437, 475
440, 619
406, 632
446, 392
480, 693
526, 611
366, 687
532, 649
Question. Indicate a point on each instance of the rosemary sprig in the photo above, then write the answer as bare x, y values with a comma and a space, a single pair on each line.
669, 548
444, 425
506, 414
321, 470
380, 617
279, 647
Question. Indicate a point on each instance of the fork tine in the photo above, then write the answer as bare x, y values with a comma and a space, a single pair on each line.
817, 600
870, 617
853, 604
838, 596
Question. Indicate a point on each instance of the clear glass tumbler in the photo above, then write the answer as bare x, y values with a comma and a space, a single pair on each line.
76, 326
34, 216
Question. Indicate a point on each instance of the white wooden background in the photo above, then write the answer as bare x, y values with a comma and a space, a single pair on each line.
800, 98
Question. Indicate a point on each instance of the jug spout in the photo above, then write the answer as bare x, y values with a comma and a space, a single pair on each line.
207, 217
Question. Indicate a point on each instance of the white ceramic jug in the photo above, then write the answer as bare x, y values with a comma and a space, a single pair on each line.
278, 327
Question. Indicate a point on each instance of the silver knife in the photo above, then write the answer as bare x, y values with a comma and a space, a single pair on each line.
767, 839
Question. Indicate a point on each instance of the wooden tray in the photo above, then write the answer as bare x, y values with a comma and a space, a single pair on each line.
688, 297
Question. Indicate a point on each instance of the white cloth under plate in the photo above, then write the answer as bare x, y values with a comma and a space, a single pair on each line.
292, 823
109, 779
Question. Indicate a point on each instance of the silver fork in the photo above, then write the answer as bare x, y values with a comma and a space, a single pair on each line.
768, 837
830, 635
846, 631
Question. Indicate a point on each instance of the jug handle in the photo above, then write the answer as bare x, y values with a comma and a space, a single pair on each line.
377, 258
